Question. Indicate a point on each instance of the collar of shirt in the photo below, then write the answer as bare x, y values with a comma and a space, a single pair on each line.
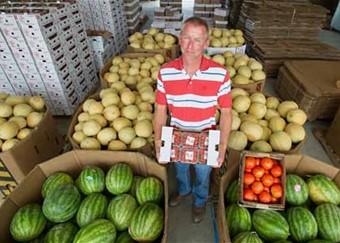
203, 66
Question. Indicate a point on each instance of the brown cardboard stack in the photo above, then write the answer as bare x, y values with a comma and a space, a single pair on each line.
283, 20
171, 3
168, 18
333, 135
273, 53
133, 10
205, 9
312, 85
221, 17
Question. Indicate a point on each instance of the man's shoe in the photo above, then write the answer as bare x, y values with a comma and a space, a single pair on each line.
175, 199
198, 214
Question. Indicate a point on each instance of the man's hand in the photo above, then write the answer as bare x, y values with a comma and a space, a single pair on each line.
221, 157
158, 145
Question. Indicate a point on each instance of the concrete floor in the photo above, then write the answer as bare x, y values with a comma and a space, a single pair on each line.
181, 230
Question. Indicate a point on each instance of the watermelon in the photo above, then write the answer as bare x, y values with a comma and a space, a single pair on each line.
136, 181
247, 237
328, 219
147, 222
320, 241
283, 241
302, 224
233, 192
120, 211
61, 233
270, 225
150, 189
119, 179
61, 204
99, 231
91, 179
296, 190
124, 238
55, 180
235, 213
28, 223
323, 190
91, 208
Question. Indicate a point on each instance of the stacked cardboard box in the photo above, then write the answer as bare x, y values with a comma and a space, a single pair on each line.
169, 19
44, 51
133, 10
101, 43
172, 3
206, 8
290, 20
106, 15
221, 17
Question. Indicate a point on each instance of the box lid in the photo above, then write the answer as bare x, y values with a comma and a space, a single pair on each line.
318, 78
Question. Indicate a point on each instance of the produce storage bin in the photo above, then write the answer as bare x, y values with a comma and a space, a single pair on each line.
73, 162
297, 164
43, 143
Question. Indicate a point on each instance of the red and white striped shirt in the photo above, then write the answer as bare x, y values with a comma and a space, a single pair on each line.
192, 102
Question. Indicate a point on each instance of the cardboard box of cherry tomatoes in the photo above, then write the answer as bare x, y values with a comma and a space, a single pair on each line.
262, 179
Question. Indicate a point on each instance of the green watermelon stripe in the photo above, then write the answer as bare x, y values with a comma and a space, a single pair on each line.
232, 194
92, 207
99, 231
328, 219
61, 233
302, 224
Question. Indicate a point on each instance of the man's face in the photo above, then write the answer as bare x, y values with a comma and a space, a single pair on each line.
193, 40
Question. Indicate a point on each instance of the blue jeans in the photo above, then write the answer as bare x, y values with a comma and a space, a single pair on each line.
200, 188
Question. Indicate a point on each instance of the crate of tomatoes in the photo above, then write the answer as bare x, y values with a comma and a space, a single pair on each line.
262, 180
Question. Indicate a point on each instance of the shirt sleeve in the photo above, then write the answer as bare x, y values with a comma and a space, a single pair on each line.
224, 96
160, 92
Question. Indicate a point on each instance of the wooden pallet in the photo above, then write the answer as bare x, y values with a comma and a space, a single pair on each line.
319, 133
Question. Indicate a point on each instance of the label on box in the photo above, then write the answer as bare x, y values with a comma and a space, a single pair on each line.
221, 12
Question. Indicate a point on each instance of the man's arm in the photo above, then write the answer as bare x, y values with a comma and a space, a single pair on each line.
225, 127
159, 120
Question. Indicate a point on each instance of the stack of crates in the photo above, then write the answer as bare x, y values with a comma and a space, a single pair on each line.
45, 51
106, 15
133, 11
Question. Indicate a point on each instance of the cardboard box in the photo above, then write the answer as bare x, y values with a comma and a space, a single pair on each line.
189, 147
171, 53
333, 134
251, 88
274, 206
217, 50
295, 163
73, 162
148, 149
43, 143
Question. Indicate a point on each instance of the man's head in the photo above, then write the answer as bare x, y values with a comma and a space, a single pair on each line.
194, 37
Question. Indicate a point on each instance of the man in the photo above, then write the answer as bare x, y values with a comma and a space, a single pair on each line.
192, 87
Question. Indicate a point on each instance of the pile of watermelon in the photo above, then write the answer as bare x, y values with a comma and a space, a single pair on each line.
116, 207
312, 214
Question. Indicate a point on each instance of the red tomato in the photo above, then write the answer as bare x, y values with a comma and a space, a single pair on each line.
265, 197
266, 189
258, 172
248, 178
267, 180
250, 163
277, 180
276, 190
267, 163
257, 187
276, 171
248, 195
